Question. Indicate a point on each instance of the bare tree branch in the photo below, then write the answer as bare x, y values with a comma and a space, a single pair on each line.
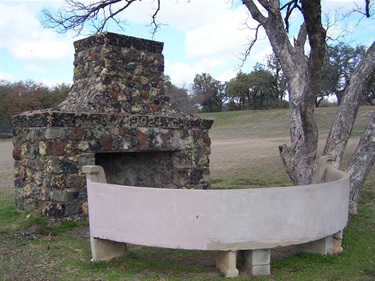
366, 12
299, 43
367, 8
76, 15
337, 17
155, 25
255, 12
243, 56
290, 6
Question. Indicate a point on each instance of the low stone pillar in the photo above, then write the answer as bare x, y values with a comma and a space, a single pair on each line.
322, 246
257, 262
337, 242
105, 250
226, 263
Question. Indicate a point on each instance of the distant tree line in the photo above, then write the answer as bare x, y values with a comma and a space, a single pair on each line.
338, 65
265, 87
17, 97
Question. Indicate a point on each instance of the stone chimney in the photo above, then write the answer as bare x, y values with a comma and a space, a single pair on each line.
116, 116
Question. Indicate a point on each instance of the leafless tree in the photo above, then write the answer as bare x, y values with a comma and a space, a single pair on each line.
303, 73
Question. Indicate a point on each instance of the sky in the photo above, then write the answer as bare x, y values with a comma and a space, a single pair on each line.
201, 36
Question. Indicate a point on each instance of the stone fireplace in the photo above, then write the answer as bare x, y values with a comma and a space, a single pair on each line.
117, 116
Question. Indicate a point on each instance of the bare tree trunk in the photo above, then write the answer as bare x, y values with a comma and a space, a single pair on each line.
303, 74
344, 121
361, 163
300, 157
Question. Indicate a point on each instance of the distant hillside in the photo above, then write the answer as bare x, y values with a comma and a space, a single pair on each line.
274, 123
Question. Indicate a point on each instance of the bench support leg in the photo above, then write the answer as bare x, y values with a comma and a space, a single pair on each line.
226, 263
322, 246
337, 242
257, 262
105, 250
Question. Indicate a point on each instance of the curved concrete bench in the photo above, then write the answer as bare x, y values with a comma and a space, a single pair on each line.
250, 220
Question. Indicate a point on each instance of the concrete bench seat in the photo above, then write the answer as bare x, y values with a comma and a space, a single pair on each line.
252, 221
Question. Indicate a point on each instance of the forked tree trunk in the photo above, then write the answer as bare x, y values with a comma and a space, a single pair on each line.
303, 74
300, 157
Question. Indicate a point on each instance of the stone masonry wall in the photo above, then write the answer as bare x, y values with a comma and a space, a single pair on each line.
116, 107
115, 73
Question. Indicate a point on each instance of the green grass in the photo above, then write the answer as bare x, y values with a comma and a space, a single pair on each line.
249, 179
55, 251
356, 262
249, 124
275, 123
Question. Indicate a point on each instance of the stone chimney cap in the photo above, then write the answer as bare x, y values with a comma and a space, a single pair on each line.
114, 39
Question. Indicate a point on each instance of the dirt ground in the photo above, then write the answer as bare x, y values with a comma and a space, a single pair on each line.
6, 165
225, 156
249, 153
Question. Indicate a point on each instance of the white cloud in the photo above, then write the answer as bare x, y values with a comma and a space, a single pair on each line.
33, 68
215, 45
210, 30
226, 76
26, 39
220, 35
181, 73
46, 50
51, 83
6, 76
183, 15
351, 27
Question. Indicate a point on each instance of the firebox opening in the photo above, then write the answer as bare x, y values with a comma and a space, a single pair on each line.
146, 169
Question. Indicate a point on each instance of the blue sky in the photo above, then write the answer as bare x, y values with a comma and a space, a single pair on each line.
201, 36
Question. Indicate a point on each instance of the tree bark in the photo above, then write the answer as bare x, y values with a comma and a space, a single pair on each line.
344, 120
361, 163
364, 156
303, 75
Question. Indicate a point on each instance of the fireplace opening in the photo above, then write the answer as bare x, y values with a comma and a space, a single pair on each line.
145, 169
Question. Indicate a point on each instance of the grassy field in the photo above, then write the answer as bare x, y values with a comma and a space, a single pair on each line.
244, 155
